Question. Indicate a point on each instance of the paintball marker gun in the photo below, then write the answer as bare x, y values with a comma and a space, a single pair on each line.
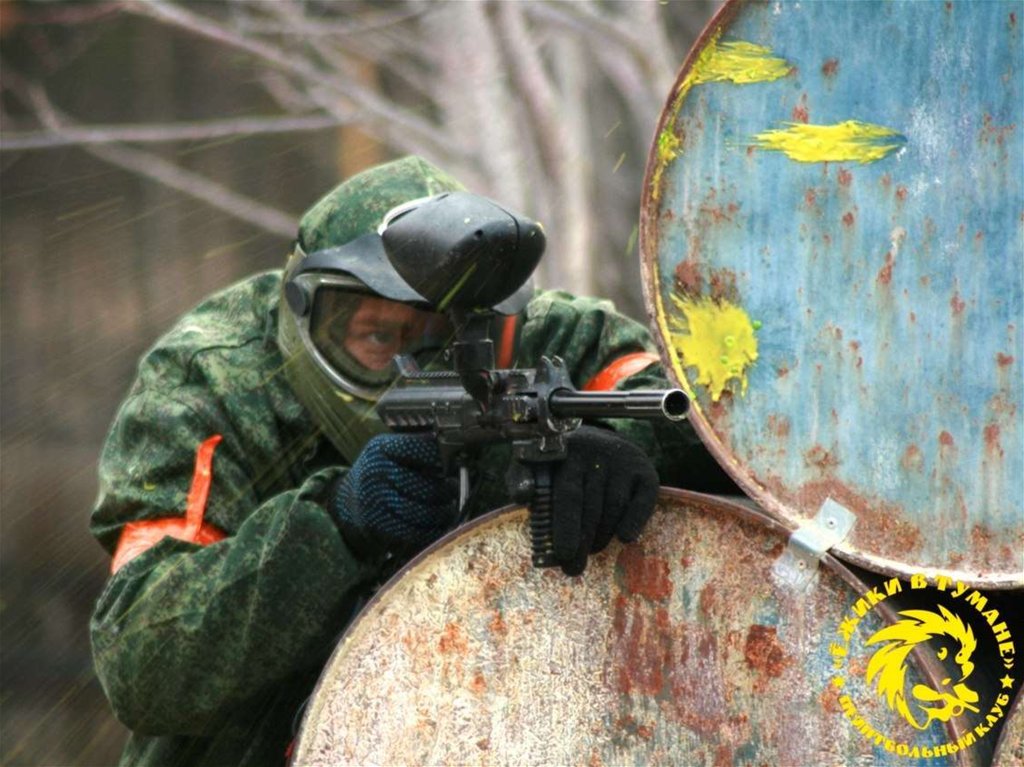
480, 258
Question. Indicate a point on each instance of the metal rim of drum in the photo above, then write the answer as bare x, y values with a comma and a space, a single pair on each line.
736, 509
1009, 750
780, 503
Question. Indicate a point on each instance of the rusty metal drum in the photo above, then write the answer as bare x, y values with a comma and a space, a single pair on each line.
678, 649
832, 239
1009, 751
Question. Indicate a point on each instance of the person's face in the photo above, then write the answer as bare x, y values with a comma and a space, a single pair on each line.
379, 329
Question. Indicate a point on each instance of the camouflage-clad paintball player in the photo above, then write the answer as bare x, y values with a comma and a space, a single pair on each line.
250, 499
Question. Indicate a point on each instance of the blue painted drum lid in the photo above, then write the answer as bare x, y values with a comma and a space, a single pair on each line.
832, 237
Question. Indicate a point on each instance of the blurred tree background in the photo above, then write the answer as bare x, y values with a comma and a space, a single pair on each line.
152, 152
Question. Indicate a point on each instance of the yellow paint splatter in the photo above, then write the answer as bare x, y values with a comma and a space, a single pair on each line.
735, 62
850, 141
717, 338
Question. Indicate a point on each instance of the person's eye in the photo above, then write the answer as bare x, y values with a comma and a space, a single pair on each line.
381, 337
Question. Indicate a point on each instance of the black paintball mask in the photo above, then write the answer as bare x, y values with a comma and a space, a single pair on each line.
353, 308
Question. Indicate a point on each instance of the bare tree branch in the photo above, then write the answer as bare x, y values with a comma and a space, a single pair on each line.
187, 182
148, 134
401, 127
583, 18
64, 14
532, 82
156, 168
336, 29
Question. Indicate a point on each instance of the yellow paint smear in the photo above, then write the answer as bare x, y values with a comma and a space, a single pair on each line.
849, 141
735, 62
717, 339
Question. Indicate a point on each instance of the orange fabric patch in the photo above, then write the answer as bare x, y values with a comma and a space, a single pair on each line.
506, 347
137, 537
621, 368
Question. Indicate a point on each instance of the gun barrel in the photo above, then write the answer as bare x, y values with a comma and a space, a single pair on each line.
656, 403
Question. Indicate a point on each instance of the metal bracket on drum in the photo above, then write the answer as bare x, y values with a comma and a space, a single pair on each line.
797, 565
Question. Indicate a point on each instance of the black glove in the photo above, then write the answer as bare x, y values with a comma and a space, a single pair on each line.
606, 486
395, 498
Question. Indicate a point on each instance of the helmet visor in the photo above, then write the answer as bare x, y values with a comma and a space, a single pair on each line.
358, 333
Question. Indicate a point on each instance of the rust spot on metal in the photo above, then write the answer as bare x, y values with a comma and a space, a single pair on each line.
829, 700
992, 440
484, 744
720, 214
644, 575
886, 180
845, 177
708, 601
957, 304
478, 684
697, 700
1003, 360
981, 537
913, 459
992, 132
913, 317
723, 756
763, 653
688, 277
643, 650
497, 625
820, 457
885, 273
723, 285
810, 198
800, 111
830, 67
945, 439
781, 372
453, 640
901, 193
778, 425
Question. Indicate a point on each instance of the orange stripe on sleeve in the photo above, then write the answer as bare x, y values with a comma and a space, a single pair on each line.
621, 368
137, 537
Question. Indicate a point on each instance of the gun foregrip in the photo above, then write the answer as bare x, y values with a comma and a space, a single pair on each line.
542, 517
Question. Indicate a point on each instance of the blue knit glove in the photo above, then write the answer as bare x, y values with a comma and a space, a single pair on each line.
396, 498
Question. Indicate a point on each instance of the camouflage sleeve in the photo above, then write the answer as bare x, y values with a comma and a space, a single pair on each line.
183, 635
589, 335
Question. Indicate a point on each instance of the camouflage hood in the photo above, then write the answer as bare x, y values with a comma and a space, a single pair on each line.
351, 210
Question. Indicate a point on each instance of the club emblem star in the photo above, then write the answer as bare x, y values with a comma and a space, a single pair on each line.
1007, 681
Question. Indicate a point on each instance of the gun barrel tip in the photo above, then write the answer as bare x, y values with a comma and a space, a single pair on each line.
675, 404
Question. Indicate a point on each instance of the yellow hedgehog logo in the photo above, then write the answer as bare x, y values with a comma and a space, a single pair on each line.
887, 668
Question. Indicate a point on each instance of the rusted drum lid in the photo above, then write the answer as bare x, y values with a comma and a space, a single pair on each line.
831, 237
678, 649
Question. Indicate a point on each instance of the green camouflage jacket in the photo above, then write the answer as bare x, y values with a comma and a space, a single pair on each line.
207, 653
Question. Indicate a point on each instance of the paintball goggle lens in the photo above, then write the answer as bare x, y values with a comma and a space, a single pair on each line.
354, 334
